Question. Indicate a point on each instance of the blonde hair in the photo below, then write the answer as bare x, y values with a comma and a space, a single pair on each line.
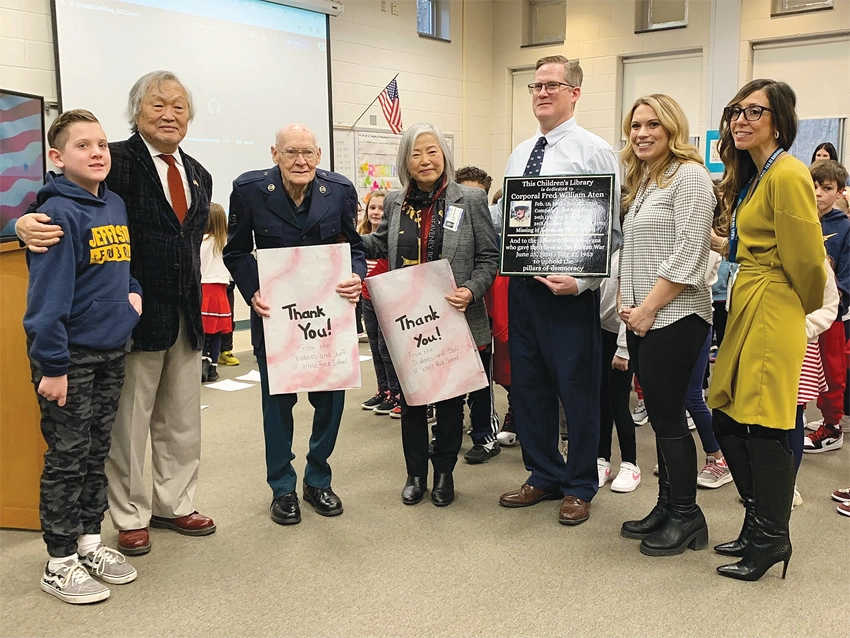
674, 121
217, 226
365, 226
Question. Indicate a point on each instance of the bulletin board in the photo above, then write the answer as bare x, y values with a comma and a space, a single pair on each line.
367, 157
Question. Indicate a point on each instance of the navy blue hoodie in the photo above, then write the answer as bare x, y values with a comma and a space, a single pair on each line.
78, 290
836, 238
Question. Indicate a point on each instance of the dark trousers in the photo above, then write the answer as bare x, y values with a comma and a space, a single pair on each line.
447, 431
556, 353
695, 401
227, 337
73, 482
384, 370
278, 427
665, 359
719, 320
614, 405
485, 424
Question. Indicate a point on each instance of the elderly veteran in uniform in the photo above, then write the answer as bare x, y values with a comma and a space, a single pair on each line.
293, 204
167, 194
432, 218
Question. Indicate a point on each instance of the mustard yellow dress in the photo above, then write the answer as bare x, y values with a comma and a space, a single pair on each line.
781, 280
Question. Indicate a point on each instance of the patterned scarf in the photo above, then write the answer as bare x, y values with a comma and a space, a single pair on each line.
421, 209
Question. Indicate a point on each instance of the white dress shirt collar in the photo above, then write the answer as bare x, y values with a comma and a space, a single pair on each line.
559, 132
178, 159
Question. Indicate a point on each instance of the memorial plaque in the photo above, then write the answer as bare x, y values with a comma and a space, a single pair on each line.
558, 225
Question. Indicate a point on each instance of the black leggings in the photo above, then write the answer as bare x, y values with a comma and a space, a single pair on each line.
616, 388
664, 360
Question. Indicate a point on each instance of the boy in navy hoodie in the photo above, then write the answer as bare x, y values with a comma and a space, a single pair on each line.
830, 177
82, 305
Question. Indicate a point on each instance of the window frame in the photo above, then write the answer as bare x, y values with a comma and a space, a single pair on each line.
439, 18
778, 9
530, 16
643, 18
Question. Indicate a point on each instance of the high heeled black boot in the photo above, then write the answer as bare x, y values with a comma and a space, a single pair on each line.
685, 527
659, 514
773, 488
736, 451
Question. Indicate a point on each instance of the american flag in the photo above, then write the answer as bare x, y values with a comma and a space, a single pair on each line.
391, 106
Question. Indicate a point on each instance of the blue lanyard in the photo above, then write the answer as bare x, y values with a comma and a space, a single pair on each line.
733, 228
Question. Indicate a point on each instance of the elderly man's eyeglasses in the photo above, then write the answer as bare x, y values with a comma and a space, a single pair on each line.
551, 87
291, 154
751, 113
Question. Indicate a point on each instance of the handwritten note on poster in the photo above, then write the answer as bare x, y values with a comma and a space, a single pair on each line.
429, 341
311, 337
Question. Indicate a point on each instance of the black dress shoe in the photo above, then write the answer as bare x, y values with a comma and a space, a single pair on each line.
444, 489
414, 489
285, 510
323, 500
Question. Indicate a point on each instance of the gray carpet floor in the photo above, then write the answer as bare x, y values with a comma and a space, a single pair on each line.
468, 570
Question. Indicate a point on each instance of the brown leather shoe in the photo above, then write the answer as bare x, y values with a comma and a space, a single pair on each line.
573, 511
134, 542
193, 524
525, 496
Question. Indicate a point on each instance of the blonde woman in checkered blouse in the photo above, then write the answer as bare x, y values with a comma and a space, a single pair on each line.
666, 305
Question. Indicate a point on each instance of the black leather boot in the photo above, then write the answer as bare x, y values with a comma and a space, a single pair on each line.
773, 484
444, 489
685, 527
736, 451
414, 489
656, 518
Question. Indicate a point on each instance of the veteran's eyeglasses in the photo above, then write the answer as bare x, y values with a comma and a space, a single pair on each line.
309, 154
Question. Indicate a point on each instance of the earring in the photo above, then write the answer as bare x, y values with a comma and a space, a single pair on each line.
776, 134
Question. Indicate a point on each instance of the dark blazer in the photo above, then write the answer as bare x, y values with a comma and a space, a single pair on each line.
472, 250
260, 216
165, 255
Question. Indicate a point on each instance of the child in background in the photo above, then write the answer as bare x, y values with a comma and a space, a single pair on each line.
215, 308
829, 177
82, 306
387, 399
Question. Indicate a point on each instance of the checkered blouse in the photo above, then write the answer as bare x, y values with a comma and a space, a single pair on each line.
667, 233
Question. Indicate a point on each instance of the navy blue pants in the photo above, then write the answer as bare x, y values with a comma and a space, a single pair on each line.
278, 427
556, 352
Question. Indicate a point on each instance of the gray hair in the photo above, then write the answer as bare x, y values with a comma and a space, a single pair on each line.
405, 150
140, 90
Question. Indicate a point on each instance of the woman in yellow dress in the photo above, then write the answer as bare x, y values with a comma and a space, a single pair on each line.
776, 238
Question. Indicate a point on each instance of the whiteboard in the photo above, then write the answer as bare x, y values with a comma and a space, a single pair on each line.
368, 158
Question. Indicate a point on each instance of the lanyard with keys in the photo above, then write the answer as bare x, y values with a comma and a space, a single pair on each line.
733, 228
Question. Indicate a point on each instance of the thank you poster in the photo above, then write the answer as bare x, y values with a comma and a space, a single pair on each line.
557, 225
311, 336
429, 341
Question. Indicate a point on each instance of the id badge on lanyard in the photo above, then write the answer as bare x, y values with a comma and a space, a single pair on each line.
733, 227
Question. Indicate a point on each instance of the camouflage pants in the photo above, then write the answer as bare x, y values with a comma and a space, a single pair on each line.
73, 483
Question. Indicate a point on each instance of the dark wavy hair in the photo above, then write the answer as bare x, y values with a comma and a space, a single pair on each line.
740, 166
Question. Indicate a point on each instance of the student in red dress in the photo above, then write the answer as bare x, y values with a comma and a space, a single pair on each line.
215, 308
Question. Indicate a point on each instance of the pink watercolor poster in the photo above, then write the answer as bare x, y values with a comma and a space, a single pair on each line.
429, 341
311, 336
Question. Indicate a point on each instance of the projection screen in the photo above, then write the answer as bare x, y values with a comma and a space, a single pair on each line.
252, 67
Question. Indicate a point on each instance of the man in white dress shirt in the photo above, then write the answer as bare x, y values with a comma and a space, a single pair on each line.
555, 337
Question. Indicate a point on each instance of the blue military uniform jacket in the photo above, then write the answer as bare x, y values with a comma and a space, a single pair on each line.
261, 215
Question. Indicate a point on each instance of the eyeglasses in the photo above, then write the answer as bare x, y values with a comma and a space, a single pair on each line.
309, 154
551, 87
751, 113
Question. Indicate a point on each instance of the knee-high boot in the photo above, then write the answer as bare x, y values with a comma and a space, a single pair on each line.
685, 526
773, 488
736, 451
659, 514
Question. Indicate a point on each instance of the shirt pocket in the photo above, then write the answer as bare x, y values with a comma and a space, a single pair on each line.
329, 229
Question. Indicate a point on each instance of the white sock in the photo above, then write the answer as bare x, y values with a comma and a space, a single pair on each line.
55, 564
88, 543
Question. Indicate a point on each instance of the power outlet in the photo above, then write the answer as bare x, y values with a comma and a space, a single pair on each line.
384, 5
395, 8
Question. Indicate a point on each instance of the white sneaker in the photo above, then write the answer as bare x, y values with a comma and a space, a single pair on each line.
628, 478
71, 583
639, 415
603, 468
798, 499
811, 425
715, 473
690, 420
109, 565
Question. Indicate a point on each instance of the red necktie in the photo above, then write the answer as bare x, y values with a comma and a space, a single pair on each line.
175, 188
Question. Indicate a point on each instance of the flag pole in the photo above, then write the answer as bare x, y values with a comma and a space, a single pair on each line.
373, 101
